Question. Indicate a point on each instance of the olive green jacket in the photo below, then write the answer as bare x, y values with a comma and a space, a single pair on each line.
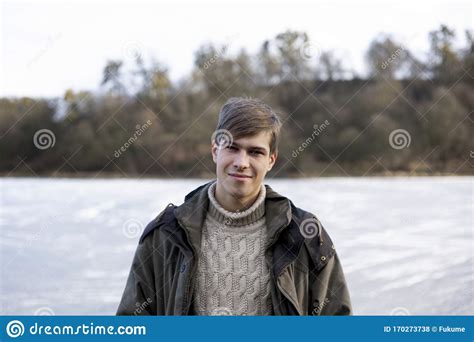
306, 274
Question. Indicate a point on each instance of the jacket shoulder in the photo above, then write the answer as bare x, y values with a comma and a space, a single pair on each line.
317, 241
165, 217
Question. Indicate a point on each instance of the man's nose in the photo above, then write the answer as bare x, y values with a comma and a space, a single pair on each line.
241, 160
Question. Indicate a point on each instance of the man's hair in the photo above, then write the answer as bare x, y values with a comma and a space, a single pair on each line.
244, 117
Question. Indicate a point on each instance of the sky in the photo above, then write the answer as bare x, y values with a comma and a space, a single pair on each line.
47, 48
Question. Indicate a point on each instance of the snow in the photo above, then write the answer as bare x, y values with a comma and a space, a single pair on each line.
67, 244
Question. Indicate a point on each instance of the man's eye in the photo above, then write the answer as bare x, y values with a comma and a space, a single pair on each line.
257, 152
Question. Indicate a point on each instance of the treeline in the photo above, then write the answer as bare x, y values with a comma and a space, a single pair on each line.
409, 114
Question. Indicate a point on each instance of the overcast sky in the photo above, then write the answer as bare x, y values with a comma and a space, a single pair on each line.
47, 48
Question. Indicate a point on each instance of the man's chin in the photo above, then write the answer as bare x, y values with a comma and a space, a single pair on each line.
237, 189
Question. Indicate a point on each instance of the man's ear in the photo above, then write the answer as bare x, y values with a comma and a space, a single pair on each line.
273, 158
214, 152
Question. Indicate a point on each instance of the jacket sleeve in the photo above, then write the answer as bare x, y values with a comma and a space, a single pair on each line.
330, 290
139, 296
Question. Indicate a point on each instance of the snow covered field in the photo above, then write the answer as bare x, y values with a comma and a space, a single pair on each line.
406, 244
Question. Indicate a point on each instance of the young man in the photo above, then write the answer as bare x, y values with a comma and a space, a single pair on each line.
235, 246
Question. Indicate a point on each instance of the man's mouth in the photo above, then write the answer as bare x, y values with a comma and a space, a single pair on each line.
239, 176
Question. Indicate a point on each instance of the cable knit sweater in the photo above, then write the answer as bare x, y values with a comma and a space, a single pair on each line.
232, 277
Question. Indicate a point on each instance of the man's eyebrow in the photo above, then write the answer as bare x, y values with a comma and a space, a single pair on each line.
251, 147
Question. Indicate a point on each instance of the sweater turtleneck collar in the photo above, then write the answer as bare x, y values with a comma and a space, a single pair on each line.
242, 218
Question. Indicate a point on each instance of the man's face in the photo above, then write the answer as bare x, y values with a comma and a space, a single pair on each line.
247, 157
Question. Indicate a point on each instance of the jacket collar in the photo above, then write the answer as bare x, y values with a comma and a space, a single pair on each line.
192, 213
